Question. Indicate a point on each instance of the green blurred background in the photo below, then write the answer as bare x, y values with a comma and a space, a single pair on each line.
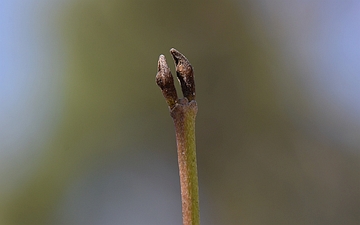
87, 137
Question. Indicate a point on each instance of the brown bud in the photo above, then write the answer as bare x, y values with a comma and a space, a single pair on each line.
185, 74
165, 81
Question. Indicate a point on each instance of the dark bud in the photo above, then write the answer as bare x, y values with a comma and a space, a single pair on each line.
165, 81
185, 74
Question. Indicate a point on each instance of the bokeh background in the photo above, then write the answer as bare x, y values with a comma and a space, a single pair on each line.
86, 137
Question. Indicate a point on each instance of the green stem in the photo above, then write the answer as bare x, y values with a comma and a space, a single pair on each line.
183, 115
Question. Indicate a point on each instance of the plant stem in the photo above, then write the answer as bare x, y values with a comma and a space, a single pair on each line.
183, 111
184, 115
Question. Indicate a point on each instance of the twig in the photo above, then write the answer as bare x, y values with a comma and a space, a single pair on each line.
183, 111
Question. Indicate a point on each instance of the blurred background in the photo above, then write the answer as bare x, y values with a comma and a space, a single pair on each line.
86, 136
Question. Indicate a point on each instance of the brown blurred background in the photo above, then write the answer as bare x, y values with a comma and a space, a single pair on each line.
89, 139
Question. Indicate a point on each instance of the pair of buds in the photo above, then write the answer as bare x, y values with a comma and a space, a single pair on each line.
184, 73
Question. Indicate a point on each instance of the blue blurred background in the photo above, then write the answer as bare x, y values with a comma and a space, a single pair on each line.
86, 137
